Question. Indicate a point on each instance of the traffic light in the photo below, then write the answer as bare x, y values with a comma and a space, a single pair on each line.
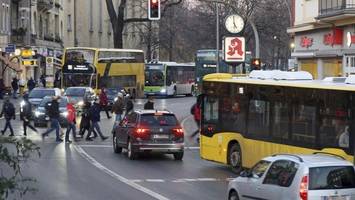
153, 9
255, 64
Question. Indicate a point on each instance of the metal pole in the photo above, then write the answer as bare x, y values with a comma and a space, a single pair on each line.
257, 40
217, 37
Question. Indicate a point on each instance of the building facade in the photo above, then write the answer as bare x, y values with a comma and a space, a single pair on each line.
5, 32
87, 24
324, 37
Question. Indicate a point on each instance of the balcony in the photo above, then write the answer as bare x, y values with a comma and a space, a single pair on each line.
330, 10
45, 5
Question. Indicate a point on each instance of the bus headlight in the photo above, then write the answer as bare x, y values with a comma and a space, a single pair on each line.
163, 90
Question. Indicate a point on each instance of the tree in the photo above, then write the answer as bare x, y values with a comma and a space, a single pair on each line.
13, 152
119, 21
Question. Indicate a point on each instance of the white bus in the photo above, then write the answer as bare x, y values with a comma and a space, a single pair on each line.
169, 79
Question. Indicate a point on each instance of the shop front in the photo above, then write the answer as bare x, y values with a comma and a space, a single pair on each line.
326, 52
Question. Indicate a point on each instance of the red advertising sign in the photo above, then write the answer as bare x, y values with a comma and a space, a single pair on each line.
306, 42
234, 49
334, 38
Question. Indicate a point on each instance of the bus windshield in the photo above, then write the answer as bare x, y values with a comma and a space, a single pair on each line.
154, 75
79, 57
84, 80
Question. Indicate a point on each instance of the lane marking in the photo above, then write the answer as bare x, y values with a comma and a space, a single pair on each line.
155, 180
183, 180
110, 146
120, 178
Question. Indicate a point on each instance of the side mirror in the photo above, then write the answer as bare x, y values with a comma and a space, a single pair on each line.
246, 174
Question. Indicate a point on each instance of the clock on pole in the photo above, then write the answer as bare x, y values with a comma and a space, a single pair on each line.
234, 23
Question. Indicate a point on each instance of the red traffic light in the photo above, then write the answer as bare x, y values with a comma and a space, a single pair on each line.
256, 63
154, 9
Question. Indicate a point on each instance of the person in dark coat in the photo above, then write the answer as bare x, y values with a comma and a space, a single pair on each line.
2, 88
8, 111
150, 104
31, 84
95, 119
53, 113
14, 85
85, 122
26, 115
43, 81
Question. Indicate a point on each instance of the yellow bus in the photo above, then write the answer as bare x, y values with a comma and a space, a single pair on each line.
110, 68
246, 119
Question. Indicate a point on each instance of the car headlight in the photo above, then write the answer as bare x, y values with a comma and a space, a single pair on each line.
163, 90
80, 103
38, 113
115, 99
65, 114
22, 104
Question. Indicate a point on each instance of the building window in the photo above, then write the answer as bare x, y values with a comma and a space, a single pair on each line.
69, 22
100, 17
91, 28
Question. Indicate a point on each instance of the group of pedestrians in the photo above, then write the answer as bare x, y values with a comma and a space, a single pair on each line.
17, 84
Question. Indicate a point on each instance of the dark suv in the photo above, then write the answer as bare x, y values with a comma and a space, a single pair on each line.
149, 131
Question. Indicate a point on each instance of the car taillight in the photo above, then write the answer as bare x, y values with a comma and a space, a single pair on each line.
142, 133
178, 132
304, 188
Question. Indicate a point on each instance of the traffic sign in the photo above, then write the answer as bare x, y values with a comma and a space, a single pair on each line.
29, 62
234, 49
10, 48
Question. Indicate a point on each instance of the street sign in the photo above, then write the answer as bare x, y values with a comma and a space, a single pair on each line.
10, 48
49, 66
234, 49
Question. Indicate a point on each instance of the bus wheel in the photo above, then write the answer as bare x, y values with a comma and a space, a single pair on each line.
235, 157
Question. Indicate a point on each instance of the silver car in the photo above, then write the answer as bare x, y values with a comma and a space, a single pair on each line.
289, 177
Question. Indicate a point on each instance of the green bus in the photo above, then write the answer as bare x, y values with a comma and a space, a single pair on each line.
169, 79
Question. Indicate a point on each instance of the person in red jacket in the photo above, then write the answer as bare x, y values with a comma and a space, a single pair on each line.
71, 118
104, 102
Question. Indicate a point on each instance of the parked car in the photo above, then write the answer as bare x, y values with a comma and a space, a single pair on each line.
37, 94
41, 118
149, 131
78, 96
319, 176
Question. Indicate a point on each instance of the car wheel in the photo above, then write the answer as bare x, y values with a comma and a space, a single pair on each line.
235, 157
130, 152
116, 148
178, 156
233, 195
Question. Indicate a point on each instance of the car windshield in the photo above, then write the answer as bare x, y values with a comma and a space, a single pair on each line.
41, 93
75, 92
62, 102
158, 120
112, 91
334, 177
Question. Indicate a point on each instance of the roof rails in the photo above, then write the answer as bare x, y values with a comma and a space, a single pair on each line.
292, 155
330, 154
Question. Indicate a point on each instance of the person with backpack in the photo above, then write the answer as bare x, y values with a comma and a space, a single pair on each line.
95, 119
8, 111
71, 118
118, 108
85, 122
26, 115
53, 113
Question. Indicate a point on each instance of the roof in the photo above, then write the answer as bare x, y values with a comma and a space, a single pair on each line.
312, 159
106, 49
173, 64
153, 111
314, 84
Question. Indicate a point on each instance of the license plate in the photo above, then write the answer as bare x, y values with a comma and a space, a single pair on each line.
336, 198
160, 136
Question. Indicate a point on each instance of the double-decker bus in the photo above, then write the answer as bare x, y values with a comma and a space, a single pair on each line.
169, 79
110, 68
246, 119
206, 63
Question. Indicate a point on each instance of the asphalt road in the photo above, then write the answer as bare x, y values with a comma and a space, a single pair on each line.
90, 170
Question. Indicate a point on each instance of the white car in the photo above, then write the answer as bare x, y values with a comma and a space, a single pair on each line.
296, 177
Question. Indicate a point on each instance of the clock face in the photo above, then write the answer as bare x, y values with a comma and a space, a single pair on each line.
234, 23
